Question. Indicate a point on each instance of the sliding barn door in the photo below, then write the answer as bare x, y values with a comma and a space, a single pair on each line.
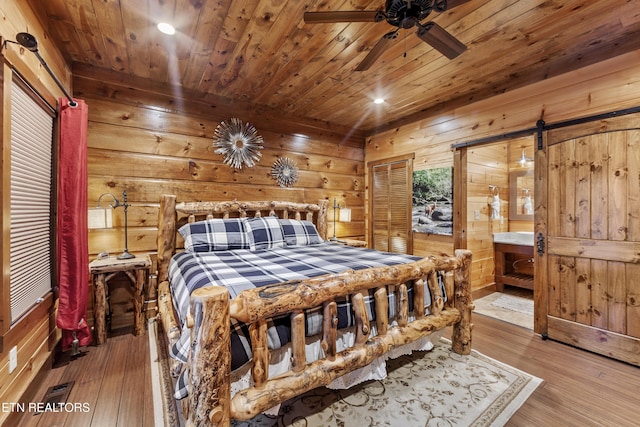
390, 206
588, 276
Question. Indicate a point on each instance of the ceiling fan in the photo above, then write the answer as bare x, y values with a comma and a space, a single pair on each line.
403, 14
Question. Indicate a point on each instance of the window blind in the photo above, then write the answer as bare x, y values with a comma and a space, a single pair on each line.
31, 189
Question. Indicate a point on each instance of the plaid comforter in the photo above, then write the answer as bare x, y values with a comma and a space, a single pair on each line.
238, 270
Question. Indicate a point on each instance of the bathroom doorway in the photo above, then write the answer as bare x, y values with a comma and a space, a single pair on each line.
497, 225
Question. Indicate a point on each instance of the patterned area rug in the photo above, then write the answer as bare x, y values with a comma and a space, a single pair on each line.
165, 411
436, 388
510, 308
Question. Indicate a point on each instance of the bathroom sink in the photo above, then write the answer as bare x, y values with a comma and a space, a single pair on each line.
514, 238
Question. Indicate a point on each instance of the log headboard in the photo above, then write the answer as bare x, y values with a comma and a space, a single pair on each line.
173, 215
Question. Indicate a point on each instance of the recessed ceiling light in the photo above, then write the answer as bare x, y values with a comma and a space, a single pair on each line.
166, 28
378, 101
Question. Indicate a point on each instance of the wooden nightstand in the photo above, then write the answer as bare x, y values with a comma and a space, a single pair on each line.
102, 270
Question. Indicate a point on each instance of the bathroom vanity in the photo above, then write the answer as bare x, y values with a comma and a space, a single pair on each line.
513, 253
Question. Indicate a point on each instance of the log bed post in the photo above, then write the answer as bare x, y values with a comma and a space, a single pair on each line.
166, 235
322, 223
461, 338
210, 358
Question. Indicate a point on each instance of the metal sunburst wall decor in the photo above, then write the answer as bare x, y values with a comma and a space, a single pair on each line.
285, 172
238, 142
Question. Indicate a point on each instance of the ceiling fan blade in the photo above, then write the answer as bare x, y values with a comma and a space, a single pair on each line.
344, 16
377, 50
442, 5
441, 40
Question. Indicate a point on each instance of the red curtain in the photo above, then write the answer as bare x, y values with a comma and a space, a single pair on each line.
73, 247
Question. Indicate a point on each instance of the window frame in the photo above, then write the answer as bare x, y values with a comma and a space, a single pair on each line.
11, 332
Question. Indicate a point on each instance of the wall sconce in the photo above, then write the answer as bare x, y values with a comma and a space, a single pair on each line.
494, 201
100, 217
524, 159
345, 216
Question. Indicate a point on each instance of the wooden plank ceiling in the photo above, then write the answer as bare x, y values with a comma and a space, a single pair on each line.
262, 52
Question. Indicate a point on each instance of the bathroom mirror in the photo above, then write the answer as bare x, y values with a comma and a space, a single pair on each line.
521, 195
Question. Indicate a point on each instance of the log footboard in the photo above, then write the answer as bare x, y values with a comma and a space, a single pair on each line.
209, 363
210, 402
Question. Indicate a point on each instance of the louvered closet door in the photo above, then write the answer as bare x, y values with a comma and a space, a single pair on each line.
391, 207
589, 275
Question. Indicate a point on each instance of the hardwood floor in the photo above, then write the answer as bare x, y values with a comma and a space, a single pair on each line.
112, 387
580, 388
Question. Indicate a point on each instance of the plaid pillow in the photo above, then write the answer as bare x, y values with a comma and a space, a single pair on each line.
215, 234
297, 232
264, 233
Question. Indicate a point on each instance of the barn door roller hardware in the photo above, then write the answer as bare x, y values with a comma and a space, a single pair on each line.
30, 43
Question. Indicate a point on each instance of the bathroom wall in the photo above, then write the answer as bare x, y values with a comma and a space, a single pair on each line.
486, 166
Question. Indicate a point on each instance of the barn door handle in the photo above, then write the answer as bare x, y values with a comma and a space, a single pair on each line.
540, 244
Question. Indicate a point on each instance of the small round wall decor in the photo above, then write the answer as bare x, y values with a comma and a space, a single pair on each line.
285, 172
238, 142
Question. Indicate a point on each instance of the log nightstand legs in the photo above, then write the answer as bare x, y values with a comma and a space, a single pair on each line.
102, 270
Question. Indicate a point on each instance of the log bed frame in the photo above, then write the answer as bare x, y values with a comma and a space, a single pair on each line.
209, 401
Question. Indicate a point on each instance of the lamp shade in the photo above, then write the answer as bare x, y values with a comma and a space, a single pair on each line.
100, 218
524, 159
345, 215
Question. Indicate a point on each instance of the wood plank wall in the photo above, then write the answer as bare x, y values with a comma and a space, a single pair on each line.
486, 165
607, 86
33, 335
151, 141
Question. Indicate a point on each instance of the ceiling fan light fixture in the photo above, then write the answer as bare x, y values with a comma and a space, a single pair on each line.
378, 101
166, 28
402, 14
